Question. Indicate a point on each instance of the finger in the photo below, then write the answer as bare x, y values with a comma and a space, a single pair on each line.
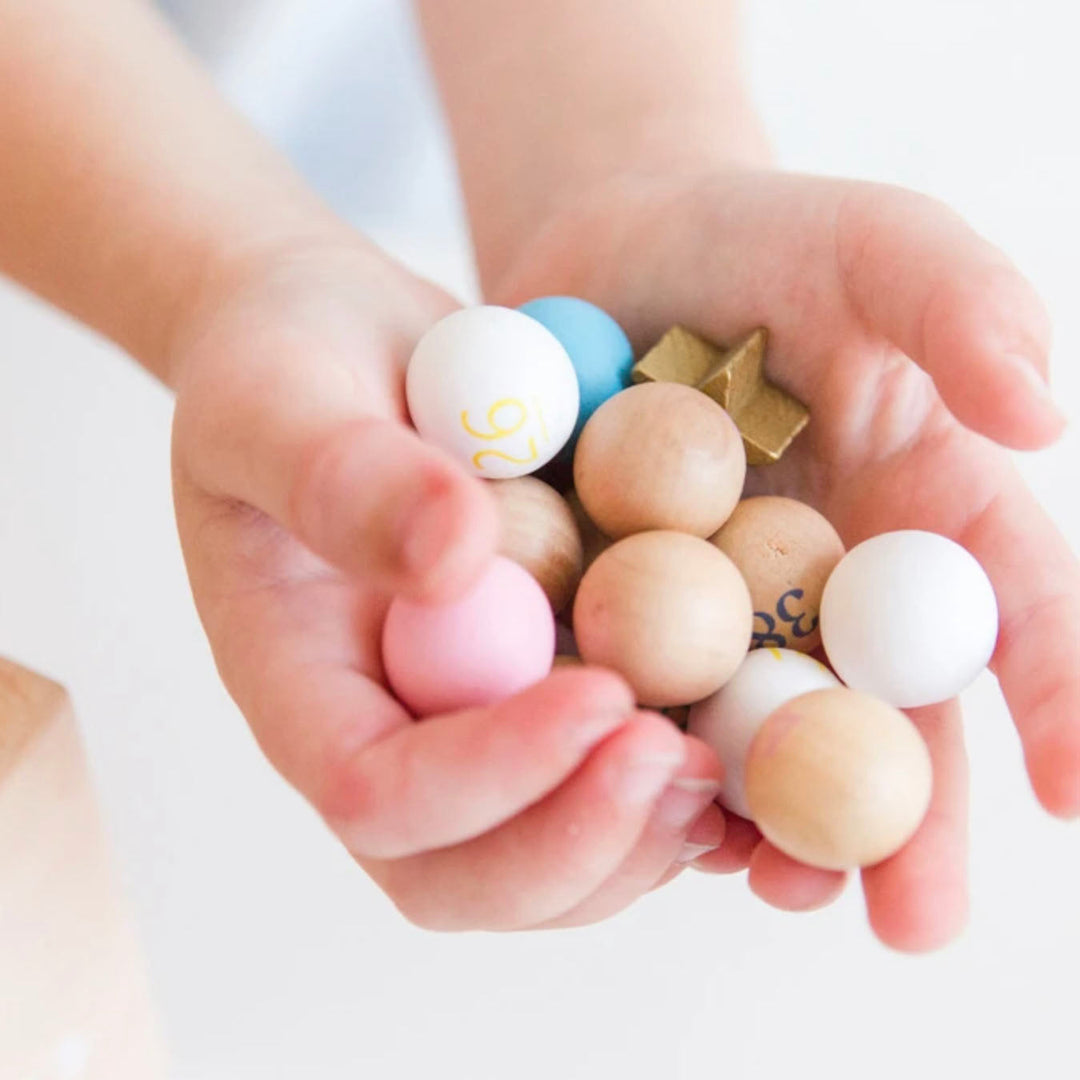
916, 274
917, 900
684, 811
823, 262
298, 648
789, 885
980, 501
390, 787
741, 838
554, 854
1037, 659
324, 452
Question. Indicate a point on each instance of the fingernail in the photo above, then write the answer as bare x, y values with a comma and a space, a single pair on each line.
586, 731
424, 532
1033, 379
684, 800
690, 852
642, 780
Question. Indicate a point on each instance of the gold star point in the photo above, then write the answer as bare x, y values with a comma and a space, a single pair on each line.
768, 417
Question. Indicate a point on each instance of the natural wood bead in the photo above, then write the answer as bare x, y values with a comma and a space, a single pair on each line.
785, 550
659, 456
669, 612
838, 779
539, 532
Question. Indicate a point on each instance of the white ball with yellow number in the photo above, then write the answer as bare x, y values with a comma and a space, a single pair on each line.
730, 718
495, 388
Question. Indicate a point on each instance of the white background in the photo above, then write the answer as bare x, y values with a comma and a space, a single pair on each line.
271, 955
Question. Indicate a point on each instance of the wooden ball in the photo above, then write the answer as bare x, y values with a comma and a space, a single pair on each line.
838, 779
539, 533
593, 541
785, 551
659, 456
669, 612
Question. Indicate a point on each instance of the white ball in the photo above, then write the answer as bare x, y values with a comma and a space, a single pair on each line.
910, 617
495, 388
730, 718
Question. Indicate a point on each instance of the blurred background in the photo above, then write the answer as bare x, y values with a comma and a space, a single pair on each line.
271, 956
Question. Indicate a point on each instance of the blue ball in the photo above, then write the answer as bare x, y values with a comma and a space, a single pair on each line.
601, 353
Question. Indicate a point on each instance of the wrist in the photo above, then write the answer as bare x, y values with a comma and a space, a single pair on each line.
668, 145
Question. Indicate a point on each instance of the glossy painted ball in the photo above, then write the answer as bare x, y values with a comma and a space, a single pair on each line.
786, 551
485, 646
597, 346
729, 719
495, 389
838, 779
910, 617
659, 456
540, 533
668, 611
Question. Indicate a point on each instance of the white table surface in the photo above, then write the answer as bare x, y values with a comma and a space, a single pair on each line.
273, 957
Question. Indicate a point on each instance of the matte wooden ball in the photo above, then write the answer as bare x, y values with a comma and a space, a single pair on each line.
659, 456
592, 539
669, 612
785, 551
838, 779
539, 532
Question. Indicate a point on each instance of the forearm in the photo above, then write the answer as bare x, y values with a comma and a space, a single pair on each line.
126, 184
546, 100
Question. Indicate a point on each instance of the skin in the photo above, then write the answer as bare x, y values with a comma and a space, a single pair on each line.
304, 501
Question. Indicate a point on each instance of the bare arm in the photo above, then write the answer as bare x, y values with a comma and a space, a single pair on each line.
125, 181
545, 100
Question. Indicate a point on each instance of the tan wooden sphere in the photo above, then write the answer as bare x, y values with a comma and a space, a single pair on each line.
659, 456
539, 532
785, 550
592, 539
838, 779
669, 612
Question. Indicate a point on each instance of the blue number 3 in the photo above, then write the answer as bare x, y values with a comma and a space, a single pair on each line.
769, 637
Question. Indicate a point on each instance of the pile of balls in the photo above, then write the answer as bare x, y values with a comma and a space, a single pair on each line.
653, 565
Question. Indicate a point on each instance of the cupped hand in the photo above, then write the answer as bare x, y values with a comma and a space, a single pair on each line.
304, 502
922, 352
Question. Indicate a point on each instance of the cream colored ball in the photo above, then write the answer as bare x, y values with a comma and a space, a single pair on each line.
669, 612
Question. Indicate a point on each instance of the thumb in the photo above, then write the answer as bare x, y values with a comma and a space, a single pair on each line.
317, 448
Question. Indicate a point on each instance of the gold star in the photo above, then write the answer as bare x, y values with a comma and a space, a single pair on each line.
767, 417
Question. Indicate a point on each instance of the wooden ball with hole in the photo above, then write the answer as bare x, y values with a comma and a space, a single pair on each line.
659, 456
667, 611
838, 779
785, 551
539, 532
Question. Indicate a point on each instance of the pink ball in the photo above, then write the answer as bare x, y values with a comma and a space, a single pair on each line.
492, 642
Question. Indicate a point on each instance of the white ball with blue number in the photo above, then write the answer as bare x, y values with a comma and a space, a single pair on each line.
495, 389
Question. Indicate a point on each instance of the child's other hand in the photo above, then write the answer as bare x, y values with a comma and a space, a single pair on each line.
304, 500
918, 347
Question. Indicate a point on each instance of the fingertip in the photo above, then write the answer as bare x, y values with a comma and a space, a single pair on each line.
741, 838
1053, 764
792, 886
447, 537
986, 339
921, 923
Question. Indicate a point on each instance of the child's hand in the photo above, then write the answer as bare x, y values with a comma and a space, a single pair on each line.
303, 500
852, 280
